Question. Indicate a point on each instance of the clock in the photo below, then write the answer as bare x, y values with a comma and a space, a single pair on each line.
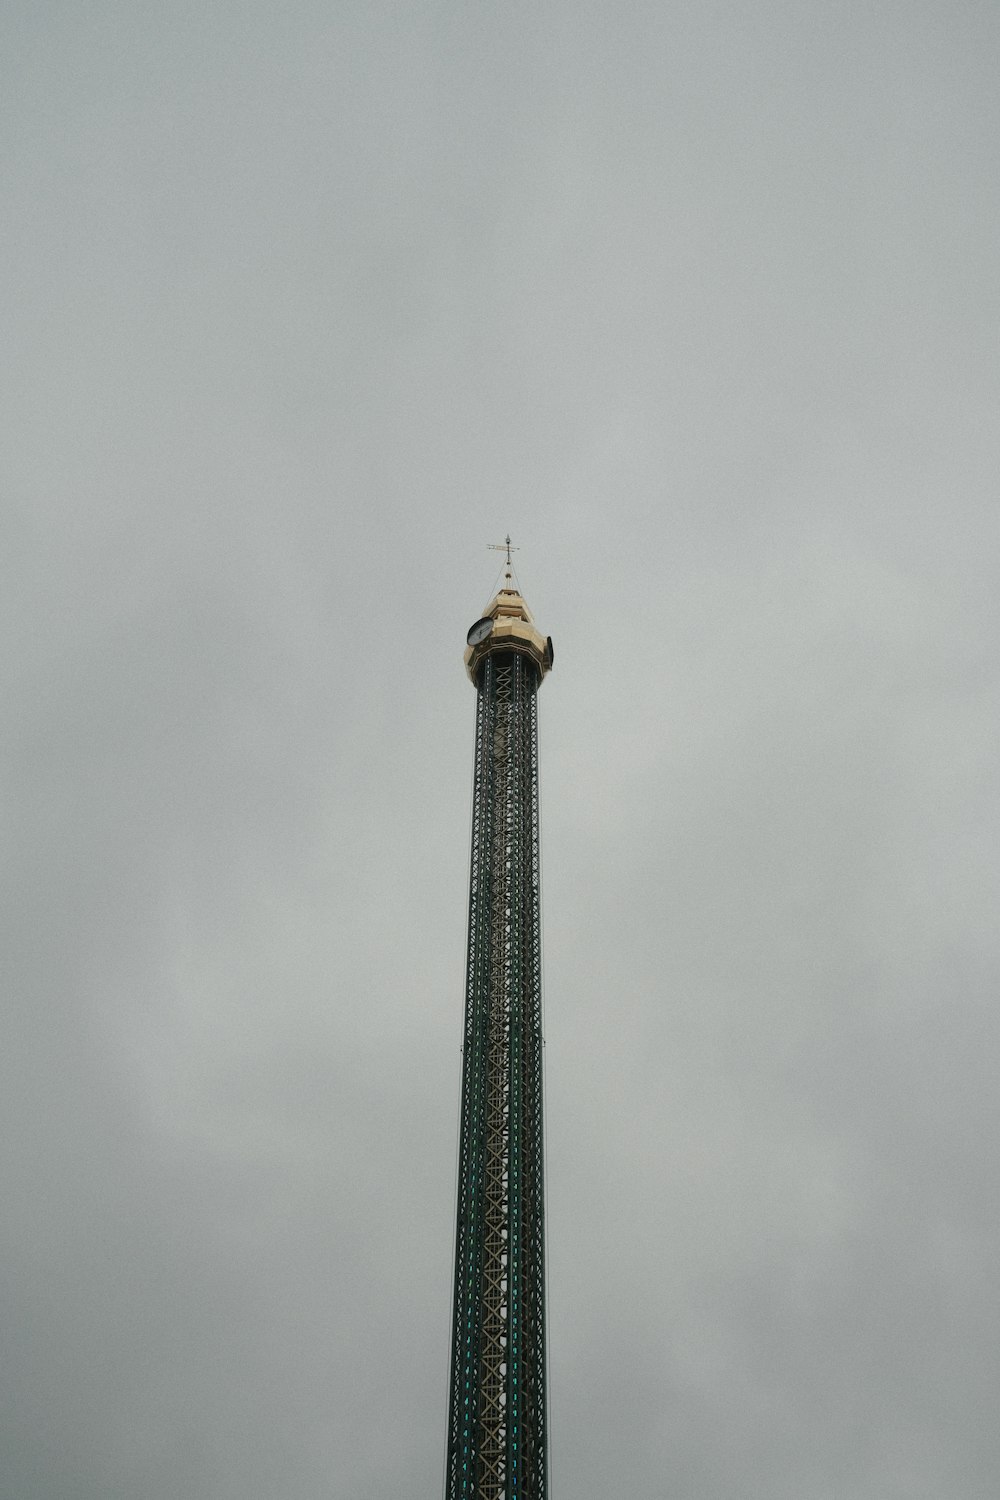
479, 631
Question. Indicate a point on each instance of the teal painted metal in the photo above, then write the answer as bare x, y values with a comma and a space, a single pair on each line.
497, 1439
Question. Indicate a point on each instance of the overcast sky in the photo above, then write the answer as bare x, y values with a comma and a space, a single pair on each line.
303, 306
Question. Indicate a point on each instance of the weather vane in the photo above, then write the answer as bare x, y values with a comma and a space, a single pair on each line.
503, 546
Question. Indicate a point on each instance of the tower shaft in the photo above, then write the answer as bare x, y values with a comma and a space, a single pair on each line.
497, 1410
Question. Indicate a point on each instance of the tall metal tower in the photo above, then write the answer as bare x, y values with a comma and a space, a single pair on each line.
497, 1441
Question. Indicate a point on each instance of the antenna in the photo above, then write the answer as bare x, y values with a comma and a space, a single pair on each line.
504, 546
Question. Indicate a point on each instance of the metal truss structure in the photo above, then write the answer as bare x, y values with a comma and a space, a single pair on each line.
497, 1447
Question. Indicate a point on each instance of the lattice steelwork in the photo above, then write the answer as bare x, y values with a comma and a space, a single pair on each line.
497, 1418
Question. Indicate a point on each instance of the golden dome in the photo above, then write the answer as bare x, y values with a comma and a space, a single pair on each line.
507, 625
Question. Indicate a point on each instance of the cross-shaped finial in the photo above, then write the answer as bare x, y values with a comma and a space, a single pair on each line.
503, 546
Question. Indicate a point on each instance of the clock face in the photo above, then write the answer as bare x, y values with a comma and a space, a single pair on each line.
479, 632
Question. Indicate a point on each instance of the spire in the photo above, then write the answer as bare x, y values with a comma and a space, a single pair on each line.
505, 546
508, 567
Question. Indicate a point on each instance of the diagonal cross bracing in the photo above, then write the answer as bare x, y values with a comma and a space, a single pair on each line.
497, 1436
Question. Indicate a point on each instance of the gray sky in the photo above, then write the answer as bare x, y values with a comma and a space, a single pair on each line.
304, 306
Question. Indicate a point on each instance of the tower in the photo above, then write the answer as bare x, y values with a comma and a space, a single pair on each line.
497, 1441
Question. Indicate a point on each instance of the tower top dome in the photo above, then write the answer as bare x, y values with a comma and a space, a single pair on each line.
507, 625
